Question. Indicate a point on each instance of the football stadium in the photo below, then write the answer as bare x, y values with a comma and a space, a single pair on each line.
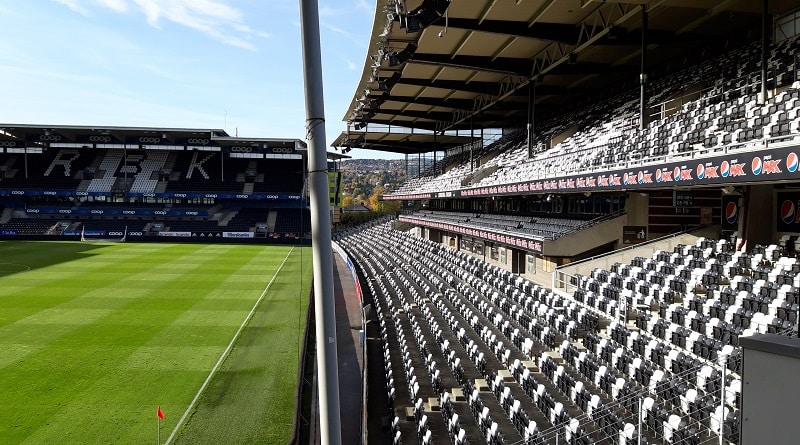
597, 245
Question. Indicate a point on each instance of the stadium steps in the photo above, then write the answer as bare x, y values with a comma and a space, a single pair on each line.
161, 187
272, 217
248, 188
6, 215
227, 217
170, 163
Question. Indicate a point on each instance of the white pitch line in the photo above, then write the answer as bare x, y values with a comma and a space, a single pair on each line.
226, 351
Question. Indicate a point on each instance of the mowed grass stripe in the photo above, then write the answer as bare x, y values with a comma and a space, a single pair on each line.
90, 367
251, 398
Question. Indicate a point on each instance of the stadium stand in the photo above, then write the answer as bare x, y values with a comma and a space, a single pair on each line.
554, 363
725, 112
127, 181
585, 277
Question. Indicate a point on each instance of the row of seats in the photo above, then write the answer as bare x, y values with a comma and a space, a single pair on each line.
678, 408
504, 356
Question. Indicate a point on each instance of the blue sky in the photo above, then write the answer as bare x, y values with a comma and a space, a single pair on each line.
233, 64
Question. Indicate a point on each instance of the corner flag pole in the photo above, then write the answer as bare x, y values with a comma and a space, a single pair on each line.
327, 365
159, 417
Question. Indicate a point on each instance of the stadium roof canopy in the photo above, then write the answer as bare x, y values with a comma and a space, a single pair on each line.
445, 66
29, 135
401, 141
99, 134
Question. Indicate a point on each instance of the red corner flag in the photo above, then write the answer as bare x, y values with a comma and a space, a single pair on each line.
160, 413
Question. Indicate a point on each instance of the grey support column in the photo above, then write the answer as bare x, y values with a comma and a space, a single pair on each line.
643, 114
324, 308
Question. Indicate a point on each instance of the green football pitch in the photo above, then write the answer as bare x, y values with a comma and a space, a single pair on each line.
95, 336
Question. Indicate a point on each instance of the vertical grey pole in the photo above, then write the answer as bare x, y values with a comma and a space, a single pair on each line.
471, 144
531, 111
643, 116
434, 152
328, 373
723, 363
764, 43
408, 176
639, 428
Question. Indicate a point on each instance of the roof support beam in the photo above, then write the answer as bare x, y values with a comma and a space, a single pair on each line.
508, 66
556, 32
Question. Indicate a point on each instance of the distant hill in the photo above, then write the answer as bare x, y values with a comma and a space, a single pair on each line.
361, 176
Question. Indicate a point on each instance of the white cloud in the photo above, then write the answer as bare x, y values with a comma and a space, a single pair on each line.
215, 18
342, 32
73, 5
115, 5
350, 65
365, 6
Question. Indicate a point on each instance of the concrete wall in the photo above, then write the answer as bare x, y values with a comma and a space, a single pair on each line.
597, 235
637, 207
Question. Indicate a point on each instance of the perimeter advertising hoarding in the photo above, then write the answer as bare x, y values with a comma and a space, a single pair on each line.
238, 235
258, 148
11, 144
254, 196
774, 164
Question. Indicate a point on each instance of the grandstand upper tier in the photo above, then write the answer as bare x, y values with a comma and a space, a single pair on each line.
67, 180
709, 113
620, 88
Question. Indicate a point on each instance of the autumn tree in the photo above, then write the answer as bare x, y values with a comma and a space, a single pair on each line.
347, 201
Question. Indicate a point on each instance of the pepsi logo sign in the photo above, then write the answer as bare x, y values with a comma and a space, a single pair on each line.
787, 212
756, 165
725, 169
792, 162
701, 171
731, 213
658, 175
